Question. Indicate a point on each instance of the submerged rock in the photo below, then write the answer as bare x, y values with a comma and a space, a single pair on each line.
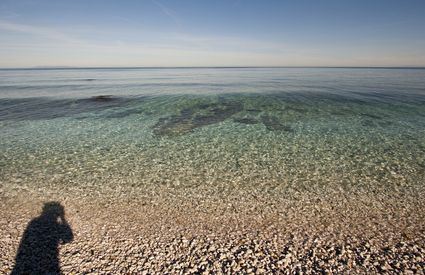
246, 120
196, 116
173, 126
216, 113
273, 124
124, 113
40, 108
103, 98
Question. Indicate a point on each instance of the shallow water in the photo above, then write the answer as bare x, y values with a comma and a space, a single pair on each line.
271, 129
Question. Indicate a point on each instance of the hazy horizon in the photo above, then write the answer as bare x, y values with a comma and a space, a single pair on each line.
160, 33
206, 67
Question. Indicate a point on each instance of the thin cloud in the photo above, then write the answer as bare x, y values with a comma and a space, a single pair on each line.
235, 43
123, 19
9, 14
174, 49
173, 42
168, 12
38, 31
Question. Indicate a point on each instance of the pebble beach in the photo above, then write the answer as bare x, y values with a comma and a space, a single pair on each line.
340, 233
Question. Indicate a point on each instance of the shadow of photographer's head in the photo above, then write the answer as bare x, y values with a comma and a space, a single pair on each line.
53, 210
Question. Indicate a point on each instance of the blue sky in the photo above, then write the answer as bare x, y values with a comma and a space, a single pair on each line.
212, 33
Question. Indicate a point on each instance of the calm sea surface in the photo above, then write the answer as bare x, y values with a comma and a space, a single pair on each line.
272, 129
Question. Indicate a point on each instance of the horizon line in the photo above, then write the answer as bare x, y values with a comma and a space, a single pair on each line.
203, 67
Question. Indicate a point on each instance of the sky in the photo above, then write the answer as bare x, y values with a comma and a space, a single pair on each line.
106, 33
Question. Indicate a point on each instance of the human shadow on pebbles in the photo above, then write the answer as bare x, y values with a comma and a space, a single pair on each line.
38, 252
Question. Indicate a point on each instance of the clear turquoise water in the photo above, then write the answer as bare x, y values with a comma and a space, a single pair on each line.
222, 129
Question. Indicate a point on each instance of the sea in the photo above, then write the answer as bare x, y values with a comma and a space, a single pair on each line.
274, 130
